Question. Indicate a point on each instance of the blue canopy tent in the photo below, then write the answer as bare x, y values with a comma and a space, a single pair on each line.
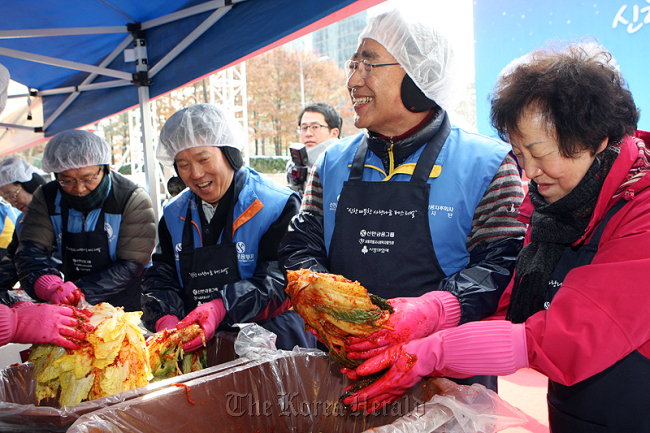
89, 59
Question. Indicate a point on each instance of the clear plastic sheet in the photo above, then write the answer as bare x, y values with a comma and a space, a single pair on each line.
298, 391
19, 411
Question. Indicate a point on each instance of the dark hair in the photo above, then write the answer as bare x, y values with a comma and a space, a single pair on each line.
175, 185
31, 185
577, 89
332, 117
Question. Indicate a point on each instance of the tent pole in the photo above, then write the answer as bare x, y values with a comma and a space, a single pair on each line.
142, 81
149, 157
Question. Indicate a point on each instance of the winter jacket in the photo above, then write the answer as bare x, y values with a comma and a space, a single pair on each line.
259, 295
598, 316
130, 254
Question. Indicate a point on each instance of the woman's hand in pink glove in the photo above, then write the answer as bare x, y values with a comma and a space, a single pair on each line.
209, 316
407, 364
496, 347
42, 323
413, 318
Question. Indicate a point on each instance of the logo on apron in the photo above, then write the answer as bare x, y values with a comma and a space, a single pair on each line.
109, 231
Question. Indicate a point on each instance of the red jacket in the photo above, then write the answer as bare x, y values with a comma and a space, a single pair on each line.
599, 314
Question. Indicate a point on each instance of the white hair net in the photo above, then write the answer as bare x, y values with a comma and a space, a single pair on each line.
424, 54
16, 170
4, 86
198, 125
73, 149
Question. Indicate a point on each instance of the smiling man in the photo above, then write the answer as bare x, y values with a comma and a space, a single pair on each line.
216, 261
102, 224
414, 208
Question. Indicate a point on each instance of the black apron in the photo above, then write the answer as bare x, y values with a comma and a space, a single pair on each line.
382, 235
84, 253
614, 400
206, 270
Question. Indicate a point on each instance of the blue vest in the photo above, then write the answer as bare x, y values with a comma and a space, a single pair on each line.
258, 205
112, 221
464, 168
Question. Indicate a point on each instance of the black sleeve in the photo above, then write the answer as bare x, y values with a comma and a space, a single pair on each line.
99, 287
303, 246
33, 260
161, 290
480, 285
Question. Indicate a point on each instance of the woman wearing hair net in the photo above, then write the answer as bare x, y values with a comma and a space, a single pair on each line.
102, 223
216, 262
18, 182
442, 238
29, 323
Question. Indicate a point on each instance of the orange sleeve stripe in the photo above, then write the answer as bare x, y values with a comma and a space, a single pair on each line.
249, 213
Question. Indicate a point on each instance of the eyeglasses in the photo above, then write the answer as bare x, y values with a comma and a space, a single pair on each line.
364, 67
73, 182
11, 196
314, 128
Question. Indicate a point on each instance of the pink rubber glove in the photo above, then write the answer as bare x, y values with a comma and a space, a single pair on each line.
168, 321
209, 316
412, 319
42, 323
492, 348
51, 288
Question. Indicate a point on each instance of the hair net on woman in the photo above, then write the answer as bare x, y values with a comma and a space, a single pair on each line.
426, 56
16, 170
196, 126
4, 86
73, 149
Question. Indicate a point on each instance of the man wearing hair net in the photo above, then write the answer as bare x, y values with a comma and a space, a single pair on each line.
414, 208
216, 262
29, 323
102, 223
18, 182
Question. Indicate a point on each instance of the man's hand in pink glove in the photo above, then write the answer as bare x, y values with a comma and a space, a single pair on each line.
494, 348
51, 288
168, 321
413, 318
42, 323
209, 316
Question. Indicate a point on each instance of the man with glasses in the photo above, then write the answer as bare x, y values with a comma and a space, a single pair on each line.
102, 223
319, 126
414, 208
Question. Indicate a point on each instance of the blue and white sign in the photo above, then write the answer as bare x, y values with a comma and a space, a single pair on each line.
507, 29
